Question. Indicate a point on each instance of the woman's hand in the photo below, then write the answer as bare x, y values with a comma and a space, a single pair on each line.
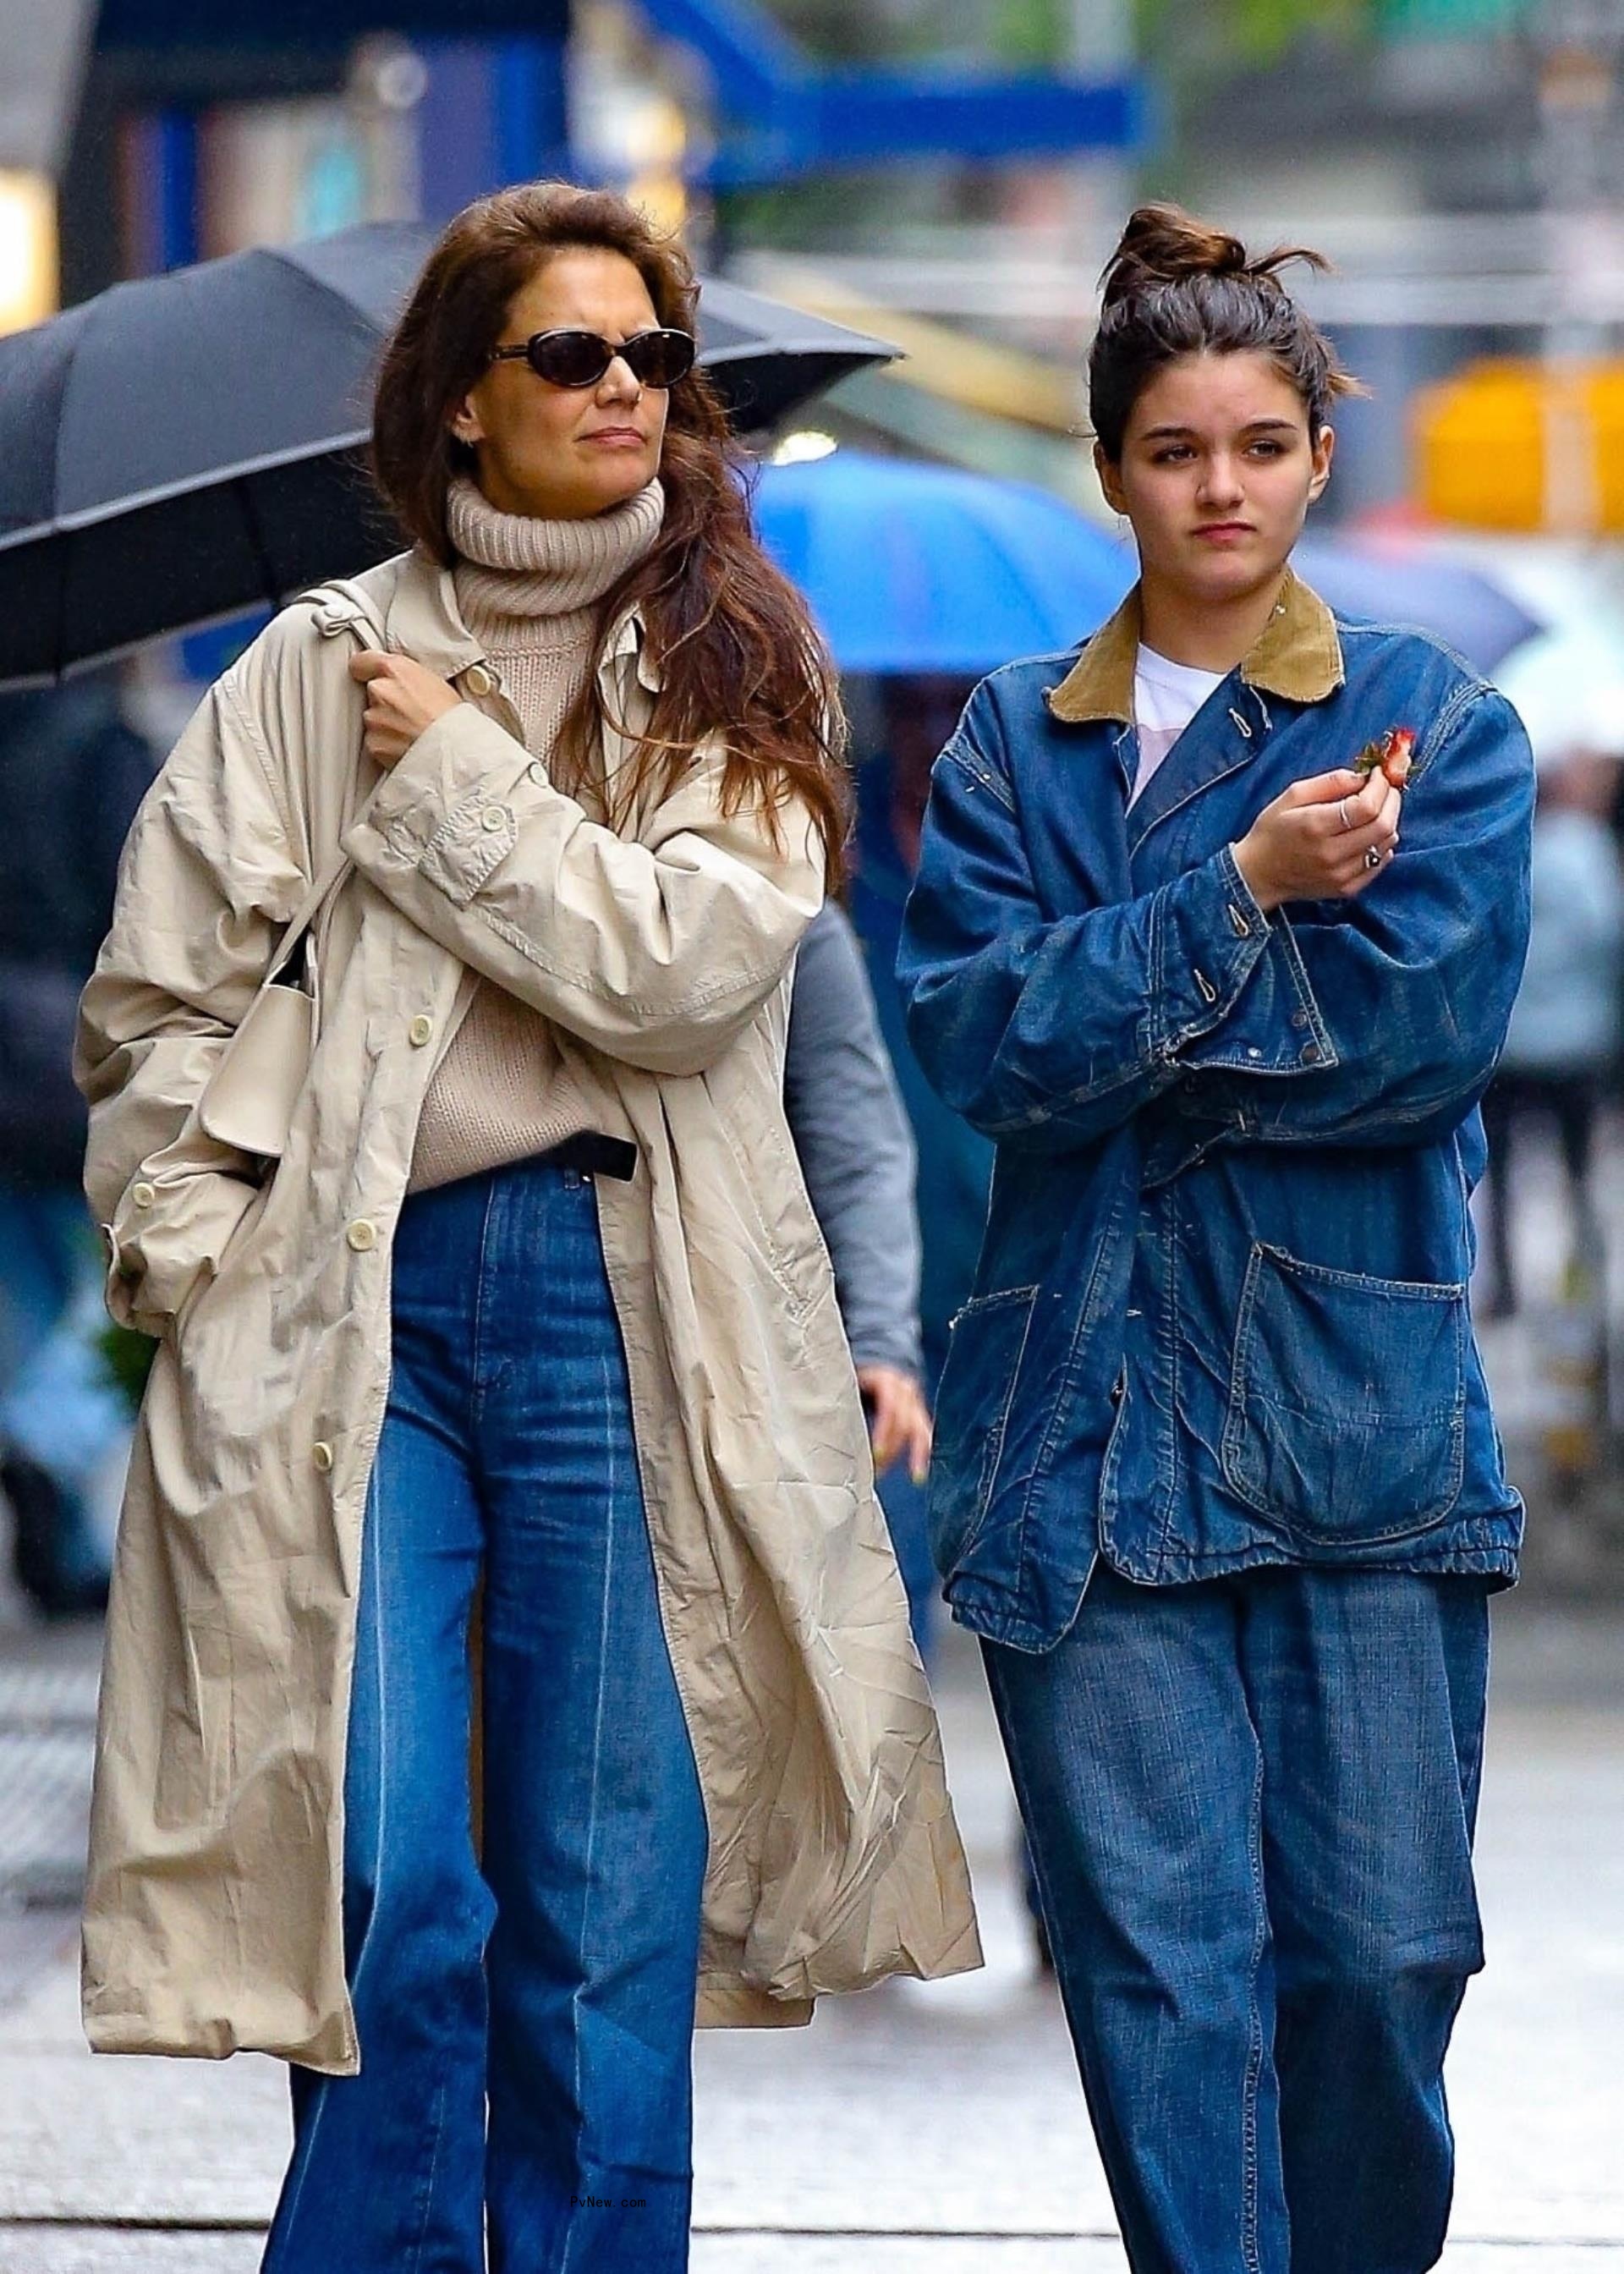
403, 698
1311, 843
899, 1419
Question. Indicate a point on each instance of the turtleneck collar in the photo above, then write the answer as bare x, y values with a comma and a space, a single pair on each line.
514, 570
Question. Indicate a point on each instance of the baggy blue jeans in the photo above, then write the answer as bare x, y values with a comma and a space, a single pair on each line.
1250, 1804
526, 2018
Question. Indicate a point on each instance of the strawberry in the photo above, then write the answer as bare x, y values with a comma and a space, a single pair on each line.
1393, 752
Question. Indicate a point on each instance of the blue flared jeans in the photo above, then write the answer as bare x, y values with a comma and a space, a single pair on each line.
525, 2013
1250, 1803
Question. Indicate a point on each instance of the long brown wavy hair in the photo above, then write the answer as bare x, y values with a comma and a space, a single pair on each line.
737, 650
1176, 286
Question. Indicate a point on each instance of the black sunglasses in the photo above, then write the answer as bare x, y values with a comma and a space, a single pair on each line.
576, 359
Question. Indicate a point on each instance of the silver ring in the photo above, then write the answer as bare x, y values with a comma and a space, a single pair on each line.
1341, 806
1373, 858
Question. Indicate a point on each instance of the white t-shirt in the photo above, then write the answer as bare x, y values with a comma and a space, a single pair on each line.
1166, 697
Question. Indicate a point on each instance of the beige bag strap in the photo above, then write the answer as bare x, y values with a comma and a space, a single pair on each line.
342, 606
328, 881
250, 1099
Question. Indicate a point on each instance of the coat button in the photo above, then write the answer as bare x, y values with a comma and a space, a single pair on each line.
493, 818
322, 1455
537, 772
361, 1234
143, 1194
478, 680
1311, 1054
420, 1031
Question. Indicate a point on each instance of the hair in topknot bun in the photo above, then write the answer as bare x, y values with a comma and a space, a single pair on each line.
1176, 286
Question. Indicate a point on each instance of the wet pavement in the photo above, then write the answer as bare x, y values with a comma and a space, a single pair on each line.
916, 2130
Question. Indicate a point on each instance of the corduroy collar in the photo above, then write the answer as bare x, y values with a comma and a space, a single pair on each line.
1297, 656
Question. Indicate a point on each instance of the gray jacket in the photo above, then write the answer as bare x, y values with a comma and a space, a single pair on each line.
856, 1150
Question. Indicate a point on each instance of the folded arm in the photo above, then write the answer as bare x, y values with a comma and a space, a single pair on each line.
1403, 994
657, 951
1051, 1031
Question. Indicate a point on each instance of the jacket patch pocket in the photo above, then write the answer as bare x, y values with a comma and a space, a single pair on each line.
973, 1409
1346, 1419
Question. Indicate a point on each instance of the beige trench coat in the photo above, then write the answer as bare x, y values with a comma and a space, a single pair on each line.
662, 954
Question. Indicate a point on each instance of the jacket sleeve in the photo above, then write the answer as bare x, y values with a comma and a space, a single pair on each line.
854, 1144
1404, 994
206, 882
1051, 1031
658, 952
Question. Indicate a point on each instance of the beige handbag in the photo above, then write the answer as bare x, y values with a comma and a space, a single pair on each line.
251, 1093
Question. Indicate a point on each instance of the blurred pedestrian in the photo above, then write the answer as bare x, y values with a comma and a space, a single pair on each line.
857, 1157
1563, 1051
71, 775
918, 711
1215, 1475
535, 1289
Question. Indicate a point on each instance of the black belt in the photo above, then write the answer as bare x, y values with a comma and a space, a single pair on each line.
590, 1154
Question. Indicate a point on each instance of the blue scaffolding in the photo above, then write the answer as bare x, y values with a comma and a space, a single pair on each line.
780, 114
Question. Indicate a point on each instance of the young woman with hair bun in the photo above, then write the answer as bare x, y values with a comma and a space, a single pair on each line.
1217, 928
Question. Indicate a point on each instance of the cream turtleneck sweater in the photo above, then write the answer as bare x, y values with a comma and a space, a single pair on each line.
529, 592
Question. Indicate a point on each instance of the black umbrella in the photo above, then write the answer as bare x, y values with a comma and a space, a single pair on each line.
183, 449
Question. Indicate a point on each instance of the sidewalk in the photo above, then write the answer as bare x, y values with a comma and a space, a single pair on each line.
917, 2130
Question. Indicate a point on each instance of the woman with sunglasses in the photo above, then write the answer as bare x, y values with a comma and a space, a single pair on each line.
534, 1297
1217, 932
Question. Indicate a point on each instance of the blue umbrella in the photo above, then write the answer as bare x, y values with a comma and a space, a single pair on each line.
1406, 584
926, 568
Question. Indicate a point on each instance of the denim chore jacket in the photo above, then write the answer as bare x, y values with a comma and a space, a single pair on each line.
1221, 1317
